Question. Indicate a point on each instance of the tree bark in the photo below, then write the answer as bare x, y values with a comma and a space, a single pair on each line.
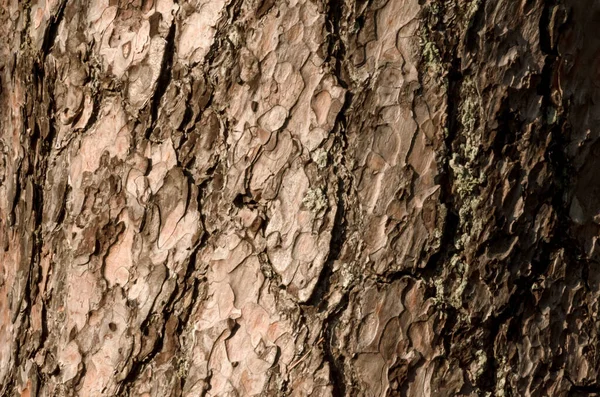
299, 198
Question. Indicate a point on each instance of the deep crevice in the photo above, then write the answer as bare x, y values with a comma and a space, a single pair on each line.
336, 48
52, 28
338, 238
336, 369
445, 178
164, 78
324, 284
522, 298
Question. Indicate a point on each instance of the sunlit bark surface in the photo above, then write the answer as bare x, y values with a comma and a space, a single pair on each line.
299, 198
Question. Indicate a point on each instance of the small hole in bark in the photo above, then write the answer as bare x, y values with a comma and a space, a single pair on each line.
112, 326
238, 201
254, 106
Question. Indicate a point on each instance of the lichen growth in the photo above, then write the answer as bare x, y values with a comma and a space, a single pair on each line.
481, 361
182, 367
502, 372
461, 268
468, 180
468, 177
463, 163
439, 290
319, 156
432, 16
347, 276
471, 9
315, 200
431, 55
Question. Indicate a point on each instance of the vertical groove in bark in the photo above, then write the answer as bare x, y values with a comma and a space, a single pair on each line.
52, 29
38, 118
164, 77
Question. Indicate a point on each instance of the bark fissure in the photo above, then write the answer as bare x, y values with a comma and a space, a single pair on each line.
446, 180
332, 355
39, 115
164, 78
338, 231
336, 49
137, 366
52, 29
584, 389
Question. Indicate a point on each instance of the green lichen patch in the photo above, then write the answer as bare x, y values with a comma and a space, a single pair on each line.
319, 156
468, 177
467, 182
315, 200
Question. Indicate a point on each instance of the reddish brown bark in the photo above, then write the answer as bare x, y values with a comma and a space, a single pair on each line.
298, 198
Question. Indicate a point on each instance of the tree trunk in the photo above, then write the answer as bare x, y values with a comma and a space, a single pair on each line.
299, 198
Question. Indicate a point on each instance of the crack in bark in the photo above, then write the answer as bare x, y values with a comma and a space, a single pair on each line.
137, 366
52, 28
522, 297
336, 49
446, 180
434, 267
12, 216
336, 368
179, 294
338, 231
338, 238
176, 296
211, 58
39, 149
164, 78
593, 388
475, 24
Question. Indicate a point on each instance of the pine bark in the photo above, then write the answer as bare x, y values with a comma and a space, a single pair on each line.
299, 198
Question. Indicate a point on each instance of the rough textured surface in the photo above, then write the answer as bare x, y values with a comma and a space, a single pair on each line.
259, 197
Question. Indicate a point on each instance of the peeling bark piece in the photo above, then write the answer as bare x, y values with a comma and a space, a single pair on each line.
273, 119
